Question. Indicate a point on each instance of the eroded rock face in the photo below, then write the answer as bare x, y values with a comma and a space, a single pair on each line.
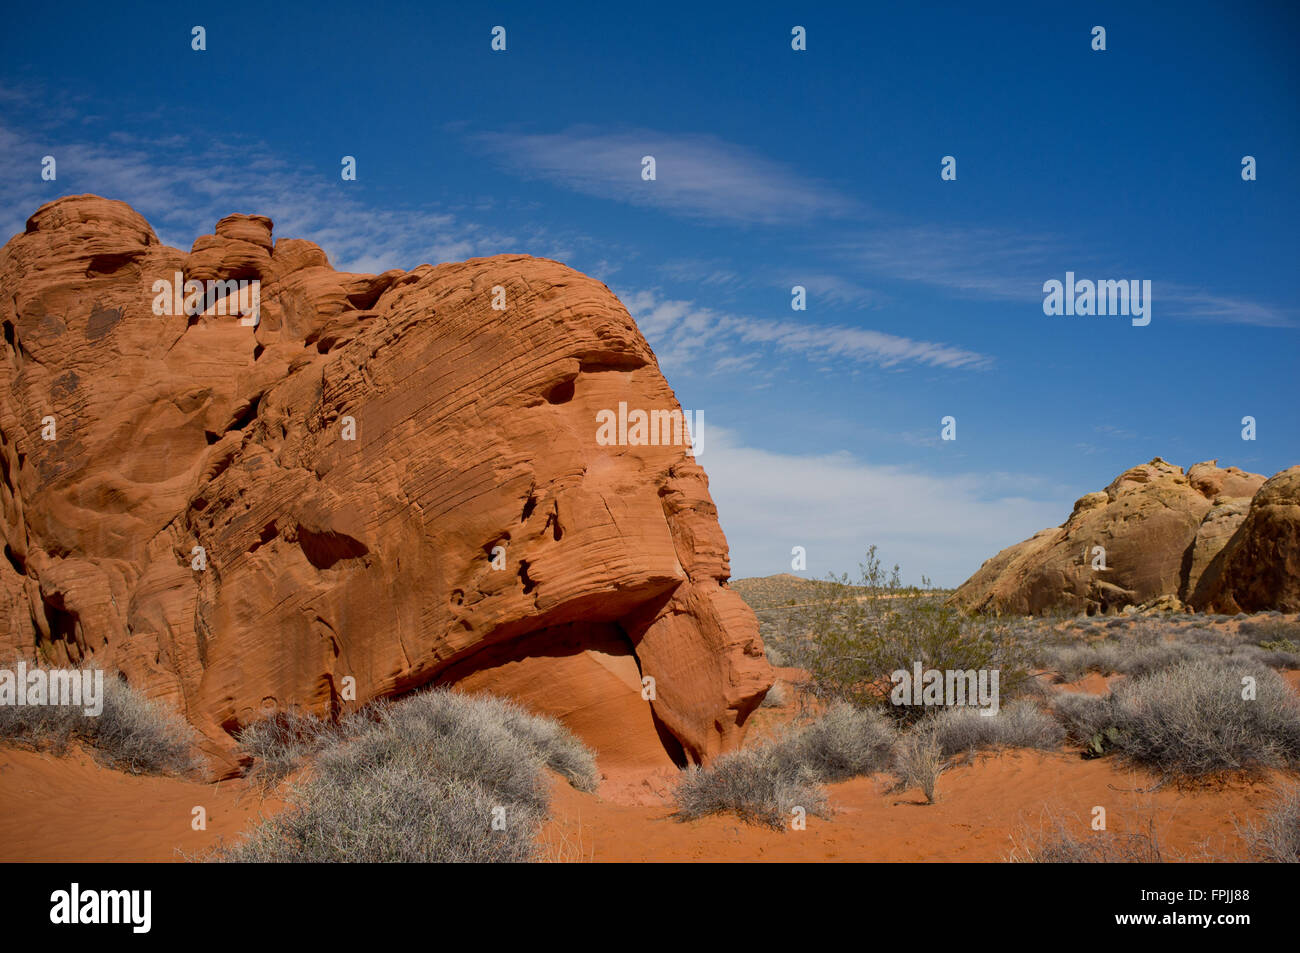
1155, 529
369, 558
1259, 568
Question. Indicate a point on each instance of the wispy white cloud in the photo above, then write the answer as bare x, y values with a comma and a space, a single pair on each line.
1002, 264
184, 193
715, 272
975, 262
836, 505
1202, 305
832, 289
682, 331
699, 176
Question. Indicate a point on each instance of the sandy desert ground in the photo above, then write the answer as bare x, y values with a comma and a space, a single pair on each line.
991, 805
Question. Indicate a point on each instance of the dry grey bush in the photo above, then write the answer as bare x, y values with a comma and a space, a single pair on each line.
131, 734
755, 784
1022, 724
763, 784
776, 697
423, 780
919, 760
1057, 843
1276, 837
1191, 720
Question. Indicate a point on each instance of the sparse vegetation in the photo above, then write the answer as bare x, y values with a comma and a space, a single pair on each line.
1175, 709
919, 760
855, 637
1020, 725
1139, 647
844, 743
1190, 721
759, 785
280, 743
131, 734
777, 696
1273, 629
422, 780
1059, 843
762, 784
1276, 838
1087, 720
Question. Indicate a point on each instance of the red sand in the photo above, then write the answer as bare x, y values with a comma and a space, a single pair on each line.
73, 809
983, 811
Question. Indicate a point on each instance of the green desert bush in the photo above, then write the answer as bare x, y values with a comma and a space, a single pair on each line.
422, 780
763, 784
1022, 724
858, 635
132, 733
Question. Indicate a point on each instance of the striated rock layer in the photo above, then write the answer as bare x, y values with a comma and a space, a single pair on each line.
1156, 533
372, 561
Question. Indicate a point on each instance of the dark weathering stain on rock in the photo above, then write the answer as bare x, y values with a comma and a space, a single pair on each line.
102, 320
65, 384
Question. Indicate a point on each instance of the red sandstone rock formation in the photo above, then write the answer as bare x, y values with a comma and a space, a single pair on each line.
370, 559
1160, 528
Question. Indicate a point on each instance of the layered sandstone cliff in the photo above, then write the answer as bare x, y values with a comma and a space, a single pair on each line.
386, 483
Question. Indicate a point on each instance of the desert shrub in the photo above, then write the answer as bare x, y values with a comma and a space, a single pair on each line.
1059, 844
1022, 724
919, 760
1283, 654
132, 733
1278, 641
1190, 720
763, 783
551, 742
1271, 629
776, 697
846, 742
422, 781
1072, 662
756, 784
1086, 719
1276, 838
857, 636
281, 742
1144, 659
1145, 647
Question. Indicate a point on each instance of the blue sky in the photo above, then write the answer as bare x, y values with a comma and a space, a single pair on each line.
774, 168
